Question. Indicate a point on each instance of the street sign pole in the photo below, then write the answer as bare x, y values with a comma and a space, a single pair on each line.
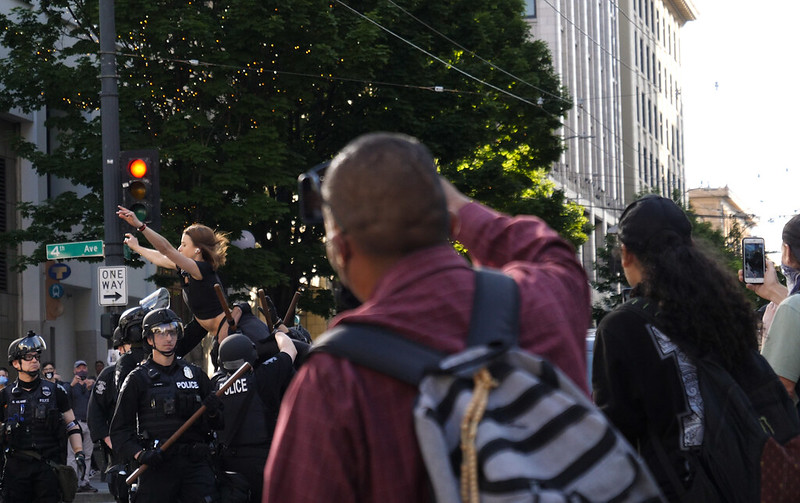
109, 124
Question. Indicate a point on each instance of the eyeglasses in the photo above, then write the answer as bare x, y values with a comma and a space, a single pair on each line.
310, 193
32, 356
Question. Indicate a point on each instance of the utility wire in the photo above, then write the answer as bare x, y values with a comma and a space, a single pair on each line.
449, 65
493, 65
195, 62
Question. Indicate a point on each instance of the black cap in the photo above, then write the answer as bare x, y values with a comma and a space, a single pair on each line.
653, 215
791, 235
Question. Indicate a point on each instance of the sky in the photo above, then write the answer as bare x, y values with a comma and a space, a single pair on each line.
739, 73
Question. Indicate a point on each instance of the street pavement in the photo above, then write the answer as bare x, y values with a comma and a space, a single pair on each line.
101, 496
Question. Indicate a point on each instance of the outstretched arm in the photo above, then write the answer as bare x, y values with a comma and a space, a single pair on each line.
151, 255
164, 255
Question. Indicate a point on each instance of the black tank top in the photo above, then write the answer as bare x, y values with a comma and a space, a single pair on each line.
199, 295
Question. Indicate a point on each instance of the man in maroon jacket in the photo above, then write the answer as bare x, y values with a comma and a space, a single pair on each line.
345, 433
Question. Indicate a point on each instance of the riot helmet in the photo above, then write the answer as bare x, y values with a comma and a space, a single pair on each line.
31, 343
117, 340
161, 319
130, 323
163, 316
235, 350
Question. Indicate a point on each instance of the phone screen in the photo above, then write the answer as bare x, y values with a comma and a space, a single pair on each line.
754, 260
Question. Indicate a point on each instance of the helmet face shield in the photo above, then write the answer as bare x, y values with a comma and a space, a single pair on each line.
30, 344
171, 329
161, 317
33, 344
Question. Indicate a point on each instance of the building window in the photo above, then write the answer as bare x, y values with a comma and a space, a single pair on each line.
641, 55
530, 8
638, 108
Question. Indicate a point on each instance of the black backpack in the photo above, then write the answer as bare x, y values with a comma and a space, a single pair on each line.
749, 423
496, 423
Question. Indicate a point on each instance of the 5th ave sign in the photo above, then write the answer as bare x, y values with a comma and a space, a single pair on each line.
79, 249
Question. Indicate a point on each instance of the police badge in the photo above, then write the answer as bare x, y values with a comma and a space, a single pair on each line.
46, 391
187, 372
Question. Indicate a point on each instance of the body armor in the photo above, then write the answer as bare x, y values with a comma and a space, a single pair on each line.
33, 421
173, 395
254, 427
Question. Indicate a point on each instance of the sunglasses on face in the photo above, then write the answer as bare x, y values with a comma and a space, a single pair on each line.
310, 194
32, 356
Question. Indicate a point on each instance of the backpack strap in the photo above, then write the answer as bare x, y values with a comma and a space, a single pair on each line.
495, 309
495, 318
648, 310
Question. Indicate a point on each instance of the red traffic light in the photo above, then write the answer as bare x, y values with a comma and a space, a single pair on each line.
137, 168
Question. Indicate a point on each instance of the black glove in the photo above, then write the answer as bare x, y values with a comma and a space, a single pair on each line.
244, 306
80, 462
151, 457
213, 404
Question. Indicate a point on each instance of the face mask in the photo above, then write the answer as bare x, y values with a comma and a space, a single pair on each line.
3, 380
82, 374
792, 275
49, 375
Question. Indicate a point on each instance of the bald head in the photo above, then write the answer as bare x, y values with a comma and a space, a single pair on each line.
383, 190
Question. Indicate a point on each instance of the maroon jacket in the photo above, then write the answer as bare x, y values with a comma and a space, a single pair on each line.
345, 433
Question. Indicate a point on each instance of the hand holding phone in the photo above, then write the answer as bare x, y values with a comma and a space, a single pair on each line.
754, 260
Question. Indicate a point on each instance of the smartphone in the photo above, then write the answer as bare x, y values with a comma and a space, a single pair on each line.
754, 260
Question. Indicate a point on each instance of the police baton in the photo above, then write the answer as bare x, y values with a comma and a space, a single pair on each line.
224, 304
262, 297
289, 318
189, 422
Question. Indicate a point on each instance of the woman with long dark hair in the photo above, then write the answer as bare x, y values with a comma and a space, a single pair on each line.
644, 376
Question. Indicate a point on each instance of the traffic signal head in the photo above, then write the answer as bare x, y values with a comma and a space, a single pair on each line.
140, 185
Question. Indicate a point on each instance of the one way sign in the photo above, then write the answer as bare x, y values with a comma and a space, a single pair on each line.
112, 286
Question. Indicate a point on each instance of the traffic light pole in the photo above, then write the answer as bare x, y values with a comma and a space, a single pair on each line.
109, 118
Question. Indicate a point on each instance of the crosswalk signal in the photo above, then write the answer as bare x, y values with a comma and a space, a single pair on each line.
140, 187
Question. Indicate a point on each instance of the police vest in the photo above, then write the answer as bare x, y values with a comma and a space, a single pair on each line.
33, 421
246, 415
173, 395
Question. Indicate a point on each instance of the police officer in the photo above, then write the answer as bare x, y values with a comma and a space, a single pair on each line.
129, 334
130, 326
156, 399
102, 402
37, 422
251, 405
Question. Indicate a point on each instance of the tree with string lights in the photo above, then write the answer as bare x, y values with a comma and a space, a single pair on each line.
239, 97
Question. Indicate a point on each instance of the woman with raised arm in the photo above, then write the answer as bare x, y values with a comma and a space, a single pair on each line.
201, 252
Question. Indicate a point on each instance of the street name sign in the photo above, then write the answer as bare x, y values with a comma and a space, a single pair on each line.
75, 250
112, 285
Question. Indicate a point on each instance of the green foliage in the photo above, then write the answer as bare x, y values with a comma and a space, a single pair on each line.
242, 96
512, 182
611, 282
